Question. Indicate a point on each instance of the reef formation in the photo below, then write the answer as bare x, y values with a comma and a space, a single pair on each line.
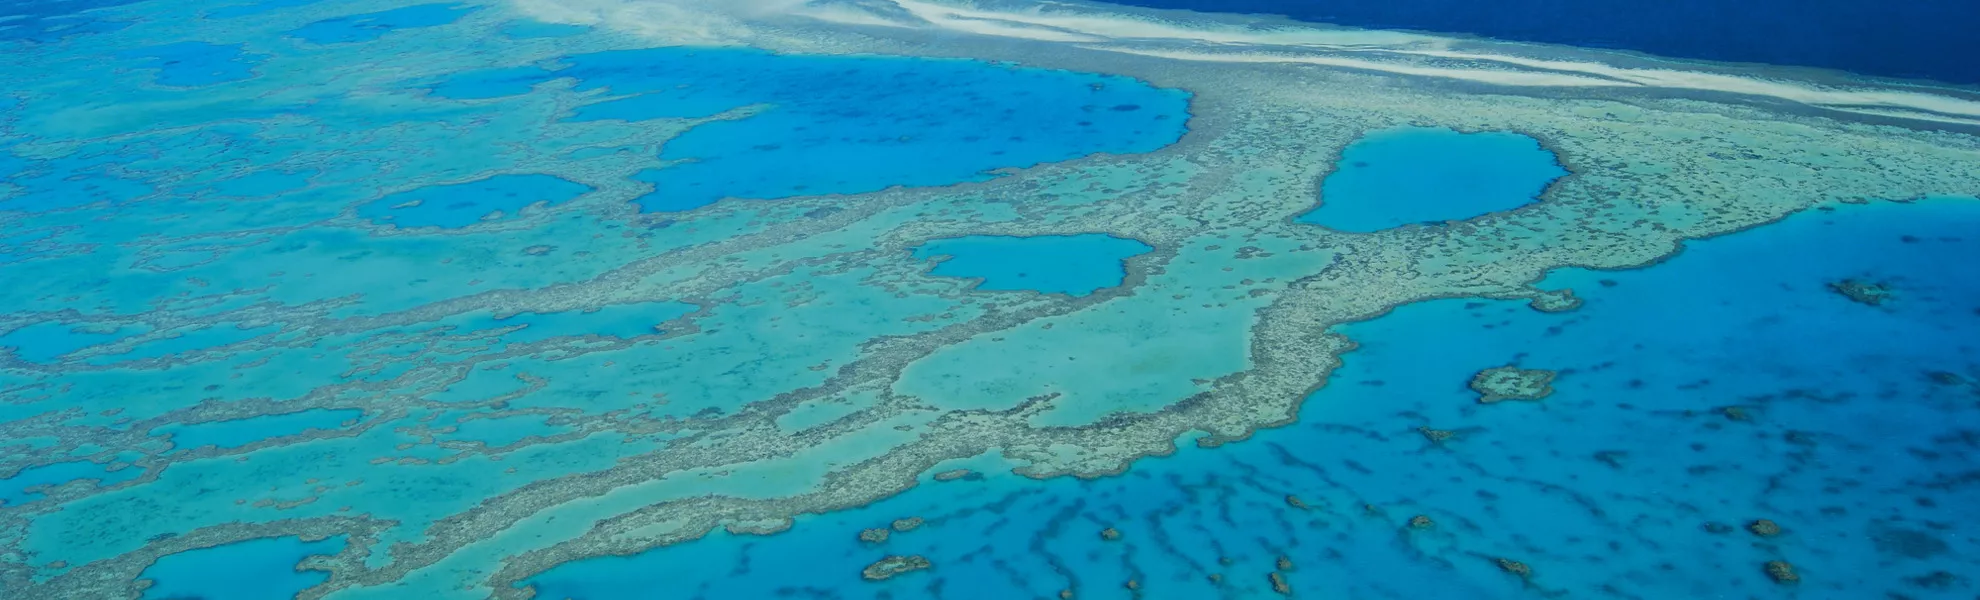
522, 384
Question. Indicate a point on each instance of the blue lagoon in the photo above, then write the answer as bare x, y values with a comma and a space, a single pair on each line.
627, 299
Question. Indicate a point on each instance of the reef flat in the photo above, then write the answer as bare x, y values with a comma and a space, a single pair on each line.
187, 250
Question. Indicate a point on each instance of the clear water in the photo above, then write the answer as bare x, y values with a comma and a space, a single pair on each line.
619, 299
1075, 265
1405, 176
263, 568
1614, 483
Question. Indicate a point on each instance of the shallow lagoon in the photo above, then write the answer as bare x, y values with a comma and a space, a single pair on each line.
460, 205
1410, 175
254, 570
1075, 265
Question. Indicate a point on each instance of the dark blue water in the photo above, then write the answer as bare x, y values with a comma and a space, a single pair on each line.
1927, 39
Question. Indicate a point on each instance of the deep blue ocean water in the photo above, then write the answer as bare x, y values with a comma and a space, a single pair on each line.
1854, 432
1924, 39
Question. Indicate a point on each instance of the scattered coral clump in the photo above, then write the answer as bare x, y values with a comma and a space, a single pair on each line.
1499, 384
1782, 572
1863, 292
1764, 528
1515, 567
1279, 583
889, 567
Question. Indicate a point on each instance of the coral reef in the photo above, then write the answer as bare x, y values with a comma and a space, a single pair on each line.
892, 566
1514, 567
1764, 528
1499, 384
1279, 583
1863, 292
1781, 572
1436, 436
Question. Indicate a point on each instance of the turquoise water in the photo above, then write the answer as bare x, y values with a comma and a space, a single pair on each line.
257, 569
1074, 265
460, 205
241, 432
370, 26
538, 29
838, 125
618, 320
48, 341
262, 184
1397, 177
19, 487
492, 294
496, 433
841, 126
193, 64
192, 340
1617, 484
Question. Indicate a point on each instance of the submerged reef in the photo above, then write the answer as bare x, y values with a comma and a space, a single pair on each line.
667, 346
893, 566
1499, 384
1863, 292
1514, 567
1764, 528
1781, 572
